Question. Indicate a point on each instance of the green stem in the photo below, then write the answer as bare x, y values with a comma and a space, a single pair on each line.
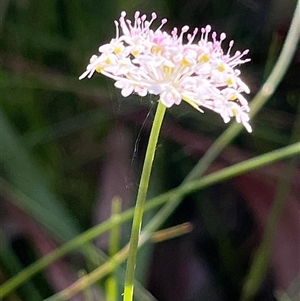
141, 197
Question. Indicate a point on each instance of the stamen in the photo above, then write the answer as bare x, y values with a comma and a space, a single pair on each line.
117, 29
163, 22
174, 32
207, 30
184, 29
222, 36
230, 47
153, 17
136, 15
192, 37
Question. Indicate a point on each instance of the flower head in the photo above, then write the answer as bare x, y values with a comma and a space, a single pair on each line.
143, 60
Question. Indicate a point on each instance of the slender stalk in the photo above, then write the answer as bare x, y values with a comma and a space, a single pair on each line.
141, 197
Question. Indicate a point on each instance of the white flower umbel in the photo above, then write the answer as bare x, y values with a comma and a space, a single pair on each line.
175, 66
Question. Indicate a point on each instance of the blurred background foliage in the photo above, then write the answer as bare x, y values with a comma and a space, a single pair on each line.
68, 147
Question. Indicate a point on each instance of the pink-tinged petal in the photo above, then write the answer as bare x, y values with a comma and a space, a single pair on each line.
170, 97
120, 84
155, 89
166, 99
243, 86
84, 74
126, 91
141, 91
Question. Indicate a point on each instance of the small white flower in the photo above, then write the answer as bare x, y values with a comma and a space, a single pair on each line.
151, 61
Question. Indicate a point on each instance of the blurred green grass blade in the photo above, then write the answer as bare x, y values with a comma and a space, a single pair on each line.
111, 284
87, 293
29, 186
39, 38
66, 127
10, 263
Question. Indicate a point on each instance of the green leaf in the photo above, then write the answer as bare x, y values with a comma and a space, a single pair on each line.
13, 266
29, 186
